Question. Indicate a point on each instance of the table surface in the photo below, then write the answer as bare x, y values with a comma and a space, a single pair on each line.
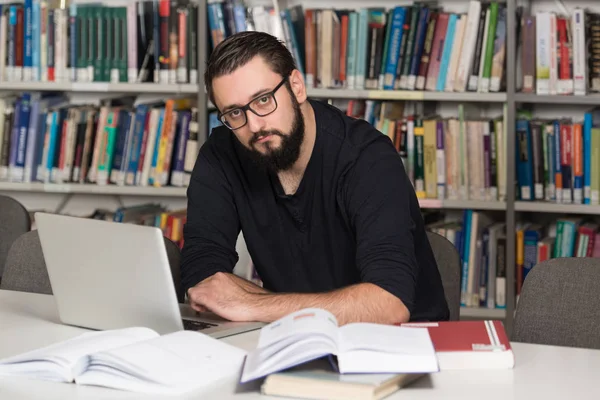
29, 321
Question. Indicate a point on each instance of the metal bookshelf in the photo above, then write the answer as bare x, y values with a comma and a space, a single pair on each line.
556, 208
99, 87
592, 99
78, 188
408, 95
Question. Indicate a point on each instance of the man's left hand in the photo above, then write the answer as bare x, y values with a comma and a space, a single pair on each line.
226, 295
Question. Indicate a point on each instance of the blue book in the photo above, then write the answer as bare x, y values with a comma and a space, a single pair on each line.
361, 56
447, 52
524, 160
136, 143
25, 111
351, 53
464, 282
398, 16
52, 145
35, 34
286, 19
28, 40
587, 158
418, 47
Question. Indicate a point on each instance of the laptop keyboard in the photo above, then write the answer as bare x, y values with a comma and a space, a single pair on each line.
191, 325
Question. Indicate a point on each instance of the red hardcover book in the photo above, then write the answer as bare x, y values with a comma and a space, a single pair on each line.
469, 344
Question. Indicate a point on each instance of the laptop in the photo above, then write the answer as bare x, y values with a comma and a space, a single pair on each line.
107, 275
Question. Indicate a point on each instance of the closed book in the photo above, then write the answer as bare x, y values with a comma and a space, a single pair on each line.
463, 345
317, 380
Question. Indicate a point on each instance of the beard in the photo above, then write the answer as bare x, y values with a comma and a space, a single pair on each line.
283, 157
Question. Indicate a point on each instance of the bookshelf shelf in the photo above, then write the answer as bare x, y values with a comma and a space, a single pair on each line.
463, 204
407, 95
543, 207
78, 188
481, 312
100, 87
591, 99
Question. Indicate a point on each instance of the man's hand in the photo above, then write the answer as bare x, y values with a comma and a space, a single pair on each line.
226, 295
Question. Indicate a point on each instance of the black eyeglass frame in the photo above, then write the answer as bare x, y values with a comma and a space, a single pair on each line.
247, 107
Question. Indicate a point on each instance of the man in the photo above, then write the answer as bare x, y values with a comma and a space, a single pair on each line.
328, 214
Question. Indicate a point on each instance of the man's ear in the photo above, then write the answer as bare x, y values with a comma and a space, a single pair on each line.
298, 86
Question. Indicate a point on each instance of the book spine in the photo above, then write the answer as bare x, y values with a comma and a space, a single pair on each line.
579, 52
419, 44
566, 154
446, 54
489, 49
394, 47
437, 52
479, 43
558, 177
426, 56
499, 52
543, 53
587, 161
577, 163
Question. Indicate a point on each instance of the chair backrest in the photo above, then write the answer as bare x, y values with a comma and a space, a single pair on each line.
448, 261
559, 304
26, 269
14, 221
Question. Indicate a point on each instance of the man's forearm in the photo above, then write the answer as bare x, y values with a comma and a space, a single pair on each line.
364, 302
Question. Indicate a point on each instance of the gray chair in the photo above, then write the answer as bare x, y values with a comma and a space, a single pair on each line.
26, 269
14, 221
449, 265
559, 304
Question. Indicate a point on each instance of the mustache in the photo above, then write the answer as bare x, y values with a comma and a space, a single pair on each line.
260, 134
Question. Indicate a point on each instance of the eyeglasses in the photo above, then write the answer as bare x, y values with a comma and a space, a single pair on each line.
262, 106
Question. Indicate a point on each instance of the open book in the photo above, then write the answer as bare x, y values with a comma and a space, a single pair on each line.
310, 334
132, 359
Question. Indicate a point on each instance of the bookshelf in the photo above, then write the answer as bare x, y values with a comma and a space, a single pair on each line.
510, 99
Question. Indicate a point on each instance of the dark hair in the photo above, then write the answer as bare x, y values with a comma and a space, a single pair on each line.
238, 49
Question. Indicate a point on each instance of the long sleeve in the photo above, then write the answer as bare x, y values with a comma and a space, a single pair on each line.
212, 226
380, 204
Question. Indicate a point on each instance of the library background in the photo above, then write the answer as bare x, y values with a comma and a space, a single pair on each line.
491, 105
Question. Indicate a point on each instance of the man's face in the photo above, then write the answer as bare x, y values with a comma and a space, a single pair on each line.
273, 140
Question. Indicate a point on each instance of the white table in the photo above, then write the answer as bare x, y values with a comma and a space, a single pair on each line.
29, 321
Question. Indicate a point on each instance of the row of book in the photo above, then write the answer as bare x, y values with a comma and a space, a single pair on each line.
457, 158
44, 138
560, 54
558, 160
481, 243
140, 41
413, 47
564, 237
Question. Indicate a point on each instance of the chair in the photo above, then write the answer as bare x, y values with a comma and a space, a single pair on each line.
559, 304
26, 269
449, 265
14, 221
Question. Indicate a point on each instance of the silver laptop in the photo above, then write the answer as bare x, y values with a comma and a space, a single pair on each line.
107, 275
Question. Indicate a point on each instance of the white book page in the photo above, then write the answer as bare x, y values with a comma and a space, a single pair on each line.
171, 364
296, 338
385, 338
299, 323
265, 361
63, 361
